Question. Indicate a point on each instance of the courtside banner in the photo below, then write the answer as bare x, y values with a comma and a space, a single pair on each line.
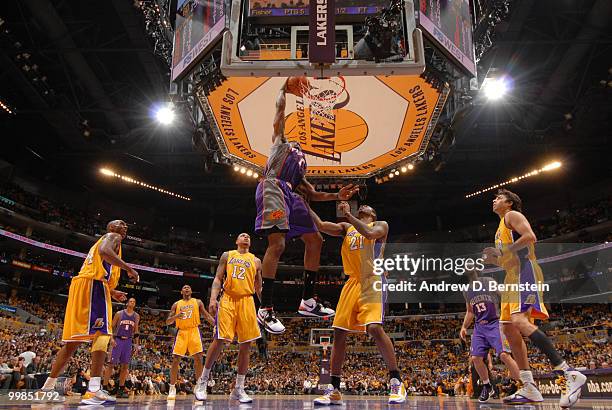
71, 252
598, 385
322, 32
375, 123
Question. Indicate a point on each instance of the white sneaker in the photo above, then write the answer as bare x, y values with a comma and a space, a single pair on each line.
240, 395
268, 320
97, 398
397, 392
199, 391
528, 393
570, 382
330, 396
172, 393
312, 308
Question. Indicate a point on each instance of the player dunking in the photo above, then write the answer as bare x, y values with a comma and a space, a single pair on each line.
235, 312
482, 305
515, 252
361, 306
281, 214
186, 313
89, 309
125, 326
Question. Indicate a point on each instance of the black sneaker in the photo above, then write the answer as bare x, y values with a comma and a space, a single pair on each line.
122, 394
267, 318
313, 308
485, 393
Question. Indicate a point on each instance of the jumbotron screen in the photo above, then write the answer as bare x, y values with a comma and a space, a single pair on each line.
198, 24
449, 23
285, 8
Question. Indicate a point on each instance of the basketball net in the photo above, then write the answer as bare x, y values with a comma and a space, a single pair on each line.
320, 96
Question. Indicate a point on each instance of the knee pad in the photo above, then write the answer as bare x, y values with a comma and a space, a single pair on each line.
100, 343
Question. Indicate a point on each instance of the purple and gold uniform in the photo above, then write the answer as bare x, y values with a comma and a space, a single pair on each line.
236, 315
277, 205
188, 339
487, 328
360, 303
521, 268
122, 352
89, 308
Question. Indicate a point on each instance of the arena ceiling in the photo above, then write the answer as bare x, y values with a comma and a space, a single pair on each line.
99, 64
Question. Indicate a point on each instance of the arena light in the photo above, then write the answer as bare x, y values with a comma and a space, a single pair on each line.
6, 108
548, 167
165, 115
130, 180
495, 88
410, 167
239, 169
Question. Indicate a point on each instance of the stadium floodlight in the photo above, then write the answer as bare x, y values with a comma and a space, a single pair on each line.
107, 172
495, 88
165, 115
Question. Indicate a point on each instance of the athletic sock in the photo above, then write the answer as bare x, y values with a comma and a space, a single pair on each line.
240, 381
562, 368
50, 383
309, 284
526, 376
94, 384
267, 292
395, 374
335, 381
545, 345
486, 382
205, 375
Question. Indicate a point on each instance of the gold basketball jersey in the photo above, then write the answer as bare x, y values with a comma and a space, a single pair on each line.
190, 317
240, 274
96, 268
358, 252
505, 237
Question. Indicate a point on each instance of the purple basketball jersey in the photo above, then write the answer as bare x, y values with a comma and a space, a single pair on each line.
287, 162
483, 301
125, 328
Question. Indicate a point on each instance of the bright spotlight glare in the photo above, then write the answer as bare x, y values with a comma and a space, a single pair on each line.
165, 115
410, 166
551, 166
495, 88
249, 173
107, 172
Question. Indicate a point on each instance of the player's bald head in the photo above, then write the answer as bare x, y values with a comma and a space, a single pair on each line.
367, 210
114, 226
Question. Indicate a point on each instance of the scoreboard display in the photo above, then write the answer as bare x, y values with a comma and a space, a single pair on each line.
199, 23
282, 8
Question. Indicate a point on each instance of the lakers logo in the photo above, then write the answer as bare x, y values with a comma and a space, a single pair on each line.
530, 300
98, 323
322, 126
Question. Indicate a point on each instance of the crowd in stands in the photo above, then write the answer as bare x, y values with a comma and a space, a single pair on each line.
432, 358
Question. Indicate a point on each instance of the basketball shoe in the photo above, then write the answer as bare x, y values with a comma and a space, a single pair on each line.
486, 393
397, 392
172, 393
98, 398
199, 391
331, 395
313, 308
570, 382
240, 395
527, 393
267, 318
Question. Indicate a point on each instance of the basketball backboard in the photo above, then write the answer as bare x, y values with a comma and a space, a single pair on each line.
273, 38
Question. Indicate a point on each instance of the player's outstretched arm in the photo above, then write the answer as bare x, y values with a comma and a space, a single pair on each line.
216, 285
345, 193
172, 315
330, 228
379, 230
517, 222
204, 312
279, 118
108, 252
467, 321
258, 278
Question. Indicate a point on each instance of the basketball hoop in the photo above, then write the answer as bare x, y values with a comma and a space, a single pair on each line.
321, 95
324, 345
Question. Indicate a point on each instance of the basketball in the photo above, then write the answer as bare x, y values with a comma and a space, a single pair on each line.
296, 85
